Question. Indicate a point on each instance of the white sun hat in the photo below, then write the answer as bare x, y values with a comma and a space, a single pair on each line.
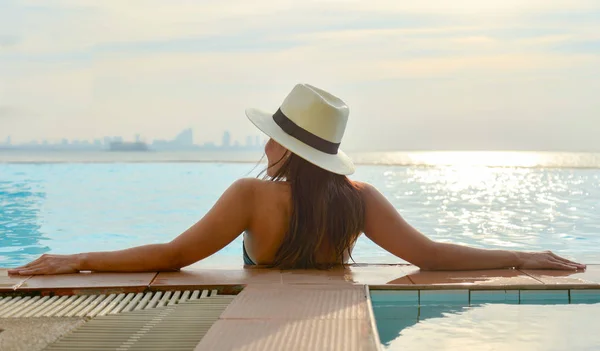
310, 123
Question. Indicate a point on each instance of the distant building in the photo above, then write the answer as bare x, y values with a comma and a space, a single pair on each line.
185, 138
226, 139
124, 146
183, 141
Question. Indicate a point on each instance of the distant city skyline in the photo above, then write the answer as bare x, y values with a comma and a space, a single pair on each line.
184, 140
417, 75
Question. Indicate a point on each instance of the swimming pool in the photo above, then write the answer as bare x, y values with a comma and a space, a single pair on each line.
74, 207
488, 320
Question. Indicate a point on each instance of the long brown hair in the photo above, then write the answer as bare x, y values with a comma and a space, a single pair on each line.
327, 211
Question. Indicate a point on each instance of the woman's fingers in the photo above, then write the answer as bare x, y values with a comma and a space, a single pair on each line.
25, 271
28, 265
35, 266
557, 264
33, 271
47, 264
42, 268
19, 270
562, 259
559, 257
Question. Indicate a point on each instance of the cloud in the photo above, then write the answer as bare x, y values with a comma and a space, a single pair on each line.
579, 46
5, 112
94, 68
8, 41
183, 8
11, 112
80, 25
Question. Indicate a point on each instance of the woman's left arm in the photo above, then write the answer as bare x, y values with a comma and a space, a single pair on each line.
226, 220
385, 227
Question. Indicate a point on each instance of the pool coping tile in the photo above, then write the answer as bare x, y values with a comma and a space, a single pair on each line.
495, 277
352, 274
590, 276
376, 276
381, 274
209, 277
101, 282
307, 276
284, 301
281, 334
10, 283
274, 316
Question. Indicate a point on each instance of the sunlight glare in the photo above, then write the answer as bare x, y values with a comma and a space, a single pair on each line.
478, 158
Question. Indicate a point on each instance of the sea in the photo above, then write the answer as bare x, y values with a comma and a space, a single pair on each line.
70, 202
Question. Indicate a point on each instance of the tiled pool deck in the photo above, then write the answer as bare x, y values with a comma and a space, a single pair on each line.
306, 309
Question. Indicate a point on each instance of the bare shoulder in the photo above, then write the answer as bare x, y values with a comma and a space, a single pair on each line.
247, 183
367, 190
244, 188
257, 187
244, 185
373, 199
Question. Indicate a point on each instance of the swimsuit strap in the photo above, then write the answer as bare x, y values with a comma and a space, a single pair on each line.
247, 260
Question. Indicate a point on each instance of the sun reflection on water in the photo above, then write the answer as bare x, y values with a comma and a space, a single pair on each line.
480, 158
526, 159
509, 207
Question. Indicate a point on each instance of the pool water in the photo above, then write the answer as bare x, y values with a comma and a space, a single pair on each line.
75, 207
488, 320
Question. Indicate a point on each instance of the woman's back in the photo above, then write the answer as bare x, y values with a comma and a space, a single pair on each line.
272, 212
272, 208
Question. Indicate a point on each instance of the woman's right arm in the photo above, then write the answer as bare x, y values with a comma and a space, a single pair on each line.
385, 227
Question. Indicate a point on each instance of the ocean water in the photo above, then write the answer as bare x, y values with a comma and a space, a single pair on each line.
76, 202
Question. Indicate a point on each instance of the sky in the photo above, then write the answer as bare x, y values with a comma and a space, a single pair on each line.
417, 75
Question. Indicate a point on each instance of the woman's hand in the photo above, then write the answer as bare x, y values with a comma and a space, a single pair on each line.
49, 264
547, 260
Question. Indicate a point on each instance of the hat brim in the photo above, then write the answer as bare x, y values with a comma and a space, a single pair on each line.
339, 163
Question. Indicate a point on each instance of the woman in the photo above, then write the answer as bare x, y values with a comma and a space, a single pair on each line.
308, 215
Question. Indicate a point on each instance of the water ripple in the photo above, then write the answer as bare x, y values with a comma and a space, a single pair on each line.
67, 208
